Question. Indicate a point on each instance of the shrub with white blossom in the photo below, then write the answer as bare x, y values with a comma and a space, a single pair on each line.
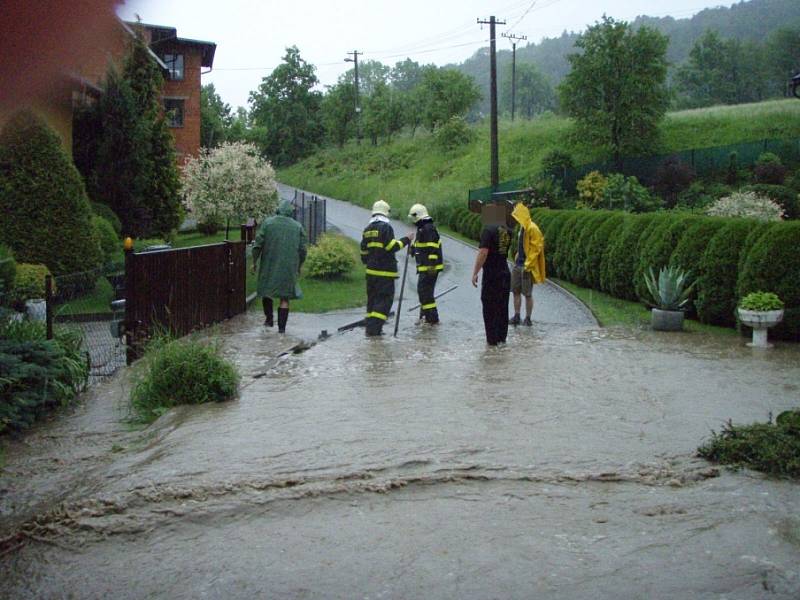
746, 204
229, 183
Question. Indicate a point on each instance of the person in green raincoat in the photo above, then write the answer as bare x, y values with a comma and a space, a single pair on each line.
279, 251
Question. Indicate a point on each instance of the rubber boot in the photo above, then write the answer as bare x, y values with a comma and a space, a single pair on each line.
266, 303
283, 316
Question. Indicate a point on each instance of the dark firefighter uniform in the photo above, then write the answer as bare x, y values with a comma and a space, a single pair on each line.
378, 248
427, 250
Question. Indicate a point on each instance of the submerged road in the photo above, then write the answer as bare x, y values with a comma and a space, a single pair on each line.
559, 466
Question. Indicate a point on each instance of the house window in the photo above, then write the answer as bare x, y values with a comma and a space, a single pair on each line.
173, 107
174, 63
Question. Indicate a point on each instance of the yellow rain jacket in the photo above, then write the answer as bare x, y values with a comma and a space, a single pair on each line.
533, 242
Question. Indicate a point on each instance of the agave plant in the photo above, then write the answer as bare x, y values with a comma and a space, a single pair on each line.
672, 290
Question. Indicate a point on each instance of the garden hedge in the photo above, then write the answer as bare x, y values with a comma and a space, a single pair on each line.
598, 245
583, 248
689, 251
716, 282
551, 234
46, 214
773, 265
566, 240
105, 211
619, 264
658, 247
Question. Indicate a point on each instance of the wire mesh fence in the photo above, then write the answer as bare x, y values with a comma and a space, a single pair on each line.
82, 302
311, 212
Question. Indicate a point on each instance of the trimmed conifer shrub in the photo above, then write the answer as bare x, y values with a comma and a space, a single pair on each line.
716, 282
104, 210
657, 249
622, 257
773, 265
758, 230
8, 271
46, 214
689, 251
581, 250
598, 245
552, 232
566, 240
107, 238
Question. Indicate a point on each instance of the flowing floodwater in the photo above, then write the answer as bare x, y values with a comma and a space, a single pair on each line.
560, 465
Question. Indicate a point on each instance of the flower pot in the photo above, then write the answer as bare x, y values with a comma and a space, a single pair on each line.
666, 320
36, 309
760, 321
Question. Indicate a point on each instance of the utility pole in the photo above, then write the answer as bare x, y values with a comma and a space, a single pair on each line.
354, 60
493, 96
513, 39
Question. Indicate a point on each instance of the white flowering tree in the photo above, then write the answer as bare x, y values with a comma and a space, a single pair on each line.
229, 183
746, 204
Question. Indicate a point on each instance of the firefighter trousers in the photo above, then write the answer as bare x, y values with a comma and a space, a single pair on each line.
426, 289
380, 295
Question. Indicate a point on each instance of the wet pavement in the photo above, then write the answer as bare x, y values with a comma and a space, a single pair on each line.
560, 465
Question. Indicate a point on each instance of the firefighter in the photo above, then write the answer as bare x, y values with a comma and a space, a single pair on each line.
378, 247
427, 251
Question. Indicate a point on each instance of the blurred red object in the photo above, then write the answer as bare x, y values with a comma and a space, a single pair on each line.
44, 42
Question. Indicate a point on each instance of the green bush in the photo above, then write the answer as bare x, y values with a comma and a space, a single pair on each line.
454, 134
331, 258
689, 251
759, 229
786, 197
582, 249
701, 194
773, 448
761, 301
590, 190
46, 214
768, 169
36, 373
773, 263
105, 211
547, 191
8, 271
598, 244
618, 266
626, 193
556, 163
657, 249
566, 241
209, 226
29, 282
107, 238
552, 230
183, 371
716, 280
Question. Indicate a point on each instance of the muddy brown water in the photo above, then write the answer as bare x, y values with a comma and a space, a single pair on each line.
560, 465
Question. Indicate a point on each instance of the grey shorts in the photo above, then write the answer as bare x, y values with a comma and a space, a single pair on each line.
521, 281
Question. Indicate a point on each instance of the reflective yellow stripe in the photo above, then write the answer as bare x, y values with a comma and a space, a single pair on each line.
429, 306
382, 273
427, 244
377, 315
423, 268
374, 245
391, 244
433, 256
364, 253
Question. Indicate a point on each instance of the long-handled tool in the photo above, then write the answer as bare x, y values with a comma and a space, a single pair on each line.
402, 287
436, 297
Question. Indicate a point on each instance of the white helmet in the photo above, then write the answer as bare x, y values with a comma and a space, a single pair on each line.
380, 208
417, 212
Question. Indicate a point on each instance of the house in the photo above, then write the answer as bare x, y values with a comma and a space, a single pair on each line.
185, 60
68, 79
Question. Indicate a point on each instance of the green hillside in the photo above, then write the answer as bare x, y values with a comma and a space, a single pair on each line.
412, 170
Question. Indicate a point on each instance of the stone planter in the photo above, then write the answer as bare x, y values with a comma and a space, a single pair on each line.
36, 309
666, 320
760, 321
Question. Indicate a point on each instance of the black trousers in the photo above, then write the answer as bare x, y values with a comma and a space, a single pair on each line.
426, 289
494, 298
380, 295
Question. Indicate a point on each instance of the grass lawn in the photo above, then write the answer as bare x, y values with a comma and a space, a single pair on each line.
610, 311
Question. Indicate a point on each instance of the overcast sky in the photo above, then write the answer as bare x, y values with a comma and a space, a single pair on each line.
252, 35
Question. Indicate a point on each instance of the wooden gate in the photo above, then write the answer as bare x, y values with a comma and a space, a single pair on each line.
182, 289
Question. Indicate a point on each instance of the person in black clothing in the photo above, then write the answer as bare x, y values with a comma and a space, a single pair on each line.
496, 284
378, 247
427, 251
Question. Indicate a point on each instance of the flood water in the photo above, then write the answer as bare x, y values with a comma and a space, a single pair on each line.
561, 465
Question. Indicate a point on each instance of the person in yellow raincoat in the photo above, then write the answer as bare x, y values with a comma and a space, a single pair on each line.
528, 263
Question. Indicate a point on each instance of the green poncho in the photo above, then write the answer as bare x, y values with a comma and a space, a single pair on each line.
281, 247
